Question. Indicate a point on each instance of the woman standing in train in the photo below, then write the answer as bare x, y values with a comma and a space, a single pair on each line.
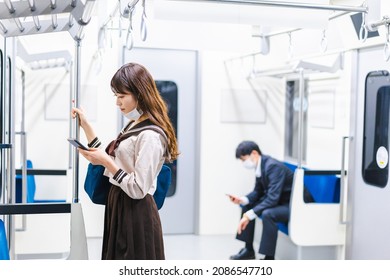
132, 227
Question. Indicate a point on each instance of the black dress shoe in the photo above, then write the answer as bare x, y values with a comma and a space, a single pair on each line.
268, 258
244, 254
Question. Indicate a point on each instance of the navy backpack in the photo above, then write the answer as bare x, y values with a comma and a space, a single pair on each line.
97, 185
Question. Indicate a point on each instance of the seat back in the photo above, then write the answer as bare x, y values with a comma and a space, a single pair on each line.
323, 188
31, 186
313, 224
4, 251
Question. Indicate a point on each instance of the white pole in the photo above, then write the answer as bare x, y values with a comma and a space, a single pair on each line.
77, 87
301, 119
289, 5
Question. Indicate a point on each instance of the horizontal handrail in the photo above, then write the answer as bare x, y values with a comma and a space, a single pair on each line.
323, 172
5, 146
50, 172
35, 208
358, 9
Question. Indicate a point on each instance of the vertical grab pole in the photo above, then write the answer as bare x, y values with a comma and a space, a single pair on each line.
300, 120
5, 159
77, 87
2, 135
9, 137
343, 188
23, 151
4, 151
70, 67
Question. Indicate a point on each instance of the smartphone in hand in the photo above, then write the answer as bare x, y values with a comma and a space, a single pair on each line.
77, 144
231, 197
234, 198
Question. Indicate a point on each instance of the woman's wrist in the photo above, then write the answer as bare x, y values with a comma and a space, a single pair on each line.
89, 132
110, 165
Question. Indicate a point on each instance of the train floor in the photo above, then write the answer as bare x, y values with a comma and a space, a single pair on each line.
186, 247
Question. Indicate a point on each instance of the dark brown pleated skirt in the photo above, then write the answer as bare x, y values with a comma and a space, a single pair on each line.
132, 228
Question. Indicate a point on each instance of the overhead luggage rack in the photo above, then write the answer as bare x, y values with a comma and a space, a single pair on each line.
45, 60
19, 18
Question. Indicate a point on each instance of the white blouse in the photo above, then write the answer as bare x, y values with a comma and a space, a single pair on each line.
140, 159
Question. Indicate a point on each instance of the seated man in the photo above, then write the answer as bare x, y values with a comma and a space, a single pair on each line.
269, 200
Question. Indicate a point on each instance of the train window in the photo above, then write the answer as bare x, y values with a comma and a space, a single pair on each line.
292, 118
168, 91
376, 129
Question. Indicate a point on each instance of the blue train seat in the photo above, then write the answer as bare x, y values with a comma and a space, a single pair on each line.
31, 188
323, 188
318, 223
283, 228
313, 226
4, 251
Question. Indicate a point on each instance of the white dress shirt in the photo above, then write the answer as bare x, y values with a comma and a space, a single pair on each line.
250, 213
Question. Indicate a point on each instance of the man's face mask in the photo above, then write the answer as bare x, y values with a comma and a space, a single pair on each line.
249, 164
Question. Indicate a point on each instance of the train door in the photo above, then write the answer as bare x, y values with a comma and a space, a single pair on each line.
368, 227
175, 72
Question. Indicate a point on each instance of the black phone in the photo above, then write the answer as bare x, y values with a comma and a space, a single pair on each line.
77, 144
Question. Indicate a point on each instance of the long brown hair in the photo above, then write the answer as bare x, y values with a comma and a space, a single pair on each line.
135, 79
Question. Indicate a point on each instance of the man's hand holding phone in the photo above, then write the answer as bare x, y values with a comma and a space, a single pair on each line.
234, 199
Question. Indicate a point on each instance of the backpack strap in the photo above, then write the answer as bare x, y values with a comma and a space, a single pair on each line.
138, 130
135, 131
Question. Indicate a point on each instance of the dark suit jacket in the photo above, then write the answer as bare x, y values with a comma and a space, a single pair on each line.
273, 187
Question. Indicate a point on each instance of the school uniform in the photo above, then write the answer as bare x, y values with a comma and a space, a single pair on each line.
132, 226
